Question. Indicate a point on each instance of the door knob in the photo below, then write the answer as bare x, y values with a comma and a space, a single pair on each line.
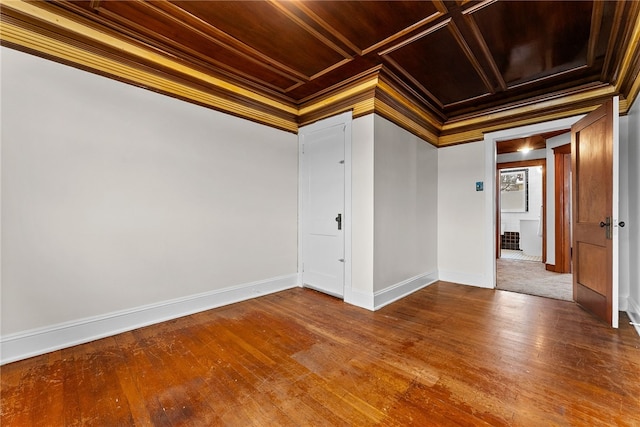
607, 223
621, 224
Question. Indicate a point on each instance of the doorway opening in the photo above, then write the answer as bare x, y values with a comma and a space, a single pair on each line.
522, 235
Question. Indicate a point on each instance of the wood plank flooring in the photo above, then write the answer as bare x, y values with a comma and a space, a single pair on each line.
446, 355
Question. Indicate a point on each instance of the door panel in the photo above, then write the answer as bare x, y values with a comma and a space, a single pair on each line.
323, 201
592, 157
591, 274
562, 160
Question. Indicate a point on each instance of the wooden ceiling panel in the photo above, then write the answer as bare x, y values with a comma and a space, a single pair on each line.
530, 40
602, 22
267, 30
442, 67
378, 21
191, 39
534, 142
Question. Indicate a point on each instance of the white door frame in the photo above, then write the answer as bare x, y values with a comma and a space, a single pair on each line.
345, 119
490, 140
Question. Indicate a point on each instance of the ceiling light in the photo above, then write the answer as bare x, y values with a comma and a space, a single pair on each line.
524, 150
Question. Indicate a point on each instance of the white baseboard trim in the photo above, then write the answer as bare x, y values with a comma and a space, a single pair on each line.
478, 280
623, 303
34, 342
633, 310
360, 299
402, 289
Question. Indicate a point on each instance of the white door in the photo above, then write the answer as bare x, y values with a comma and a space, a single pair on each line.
323, 219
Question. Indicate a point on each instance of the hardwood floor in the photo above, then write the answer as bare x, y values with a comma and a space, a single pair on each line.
446, 355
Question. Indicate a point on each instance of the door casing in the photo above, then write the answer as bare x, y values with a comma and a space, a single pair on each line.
490, 184
490, 140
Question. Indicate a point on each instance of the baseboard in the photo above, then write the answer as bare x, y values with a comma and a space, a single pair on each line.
360, 299
34, 342
623, 303
633, 310
402, 289
478, 280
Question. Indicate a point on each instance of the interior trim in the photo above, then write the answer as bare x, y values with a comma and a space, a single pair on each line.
34, 342
66, 53
369, 94
633, 310
402, 289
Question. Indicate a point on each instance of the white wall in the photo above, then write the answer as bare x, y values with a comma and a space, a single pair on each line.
462, 252
362, 140
510, 221
114, 197
394, 228
633, 220
406, 185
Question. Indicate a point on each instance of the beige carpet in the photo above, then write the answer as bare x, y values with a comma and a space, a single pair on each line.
532, 278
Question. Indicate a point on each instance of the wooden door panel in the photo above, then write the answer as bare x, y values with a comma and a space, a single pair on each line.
592, 300
592, 165
593, 271
593, 156
562, 194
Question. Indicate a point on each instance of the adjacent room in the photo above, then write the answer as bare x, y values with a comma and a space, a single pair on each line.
309, 213
525, 242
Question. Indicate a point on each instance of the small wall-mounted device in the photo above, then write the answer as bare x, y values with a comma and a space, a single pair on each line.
479, 186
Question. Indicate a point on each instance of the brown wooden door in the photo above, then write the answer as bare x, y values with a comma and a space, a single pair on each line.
592, 144
562, 196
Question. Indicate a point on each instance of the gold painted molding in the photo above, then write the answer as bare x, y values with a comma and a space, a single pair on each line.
372, 93
18, 36
396, 94
473, 129
405, 122
545, 104
478, 134
47, 45
341, 96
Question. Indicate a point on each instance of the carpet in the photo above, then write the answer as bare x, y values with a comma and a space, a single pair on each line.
532, 278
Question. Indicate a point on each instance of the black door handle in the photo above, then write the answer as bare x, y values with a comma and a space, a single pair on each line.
339, 221
607, 224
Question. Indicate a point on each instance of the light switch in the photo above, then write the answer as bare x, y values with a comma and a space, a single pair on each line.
479, 186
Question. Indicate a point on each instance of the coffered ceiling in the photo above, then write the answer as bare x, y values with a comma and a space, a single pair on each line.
445, 70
